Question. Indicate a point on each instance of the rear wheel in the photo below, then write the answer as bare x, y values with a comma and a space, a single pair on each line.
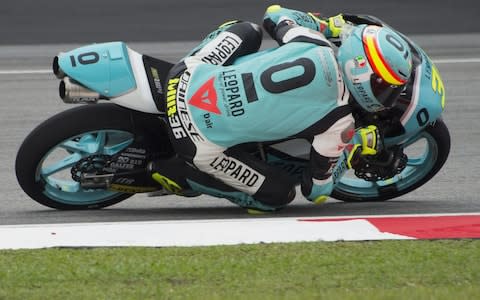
427, 153
89, 134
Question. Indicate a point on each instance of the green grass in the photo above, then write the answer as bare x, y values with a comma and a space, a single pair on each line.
448, 269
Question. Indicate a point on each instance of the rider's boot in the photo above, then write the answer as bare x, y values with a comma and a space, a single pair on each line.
170, 174
257, 208
213, 187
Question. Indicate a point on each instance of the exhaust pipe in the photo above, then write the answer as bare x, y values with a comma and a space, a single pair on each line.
72, 92
56, 69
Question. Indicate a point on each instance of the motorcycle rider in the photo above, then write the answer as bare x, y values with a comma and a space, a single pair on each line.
299, 89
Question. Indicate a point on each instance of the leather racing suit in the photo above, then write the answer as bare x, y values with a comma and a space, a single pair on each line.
225, 93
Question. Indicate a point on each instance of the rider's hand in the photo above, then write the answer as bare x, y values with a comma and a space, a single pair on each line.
335, 25
331, 27
369, 143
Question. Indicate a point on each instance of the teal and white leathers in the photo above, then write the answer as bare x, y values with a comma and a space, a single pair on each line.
226, 93
271, 96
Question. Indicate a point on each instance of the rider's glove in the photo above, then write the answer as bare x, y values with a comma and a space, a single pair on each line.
331, 27
335, 25
367, 141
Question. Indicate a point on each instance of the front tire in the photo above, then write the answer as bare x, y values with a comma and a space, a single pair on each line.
48, 153
420, 169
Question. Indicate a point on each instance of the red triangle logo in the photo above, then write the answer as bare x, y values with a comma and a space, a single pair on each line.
206, 97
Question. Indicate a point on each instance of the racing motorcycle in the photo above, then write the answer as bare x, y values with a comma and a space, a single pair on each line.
98, 154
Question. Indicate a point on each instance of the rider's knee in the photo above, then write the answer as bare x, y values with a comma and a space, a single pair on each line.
277, 196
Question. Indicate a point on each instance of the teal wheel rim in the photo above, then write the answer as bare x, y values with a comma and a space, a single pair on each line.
422, 151
54, 170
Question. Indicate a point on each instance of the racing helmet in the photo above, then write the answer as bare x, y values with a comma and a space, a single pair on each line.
376, 63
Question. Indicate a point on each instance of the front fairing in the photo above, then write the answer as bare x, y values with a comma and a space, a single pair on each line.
426, 99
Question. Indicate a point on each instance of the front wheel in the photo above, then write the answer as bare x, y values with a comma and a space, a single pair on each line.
45, 159
427, 153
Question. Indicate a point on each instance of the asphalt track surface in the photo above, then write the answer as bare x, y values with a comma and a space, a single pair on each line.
28, 95
54, 21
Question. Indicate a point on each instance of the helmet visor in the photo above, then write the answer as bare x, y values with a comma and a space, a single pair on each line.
386, 93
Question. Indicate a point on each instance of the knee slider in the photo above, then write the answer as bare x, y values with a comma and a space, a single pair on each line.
277, 197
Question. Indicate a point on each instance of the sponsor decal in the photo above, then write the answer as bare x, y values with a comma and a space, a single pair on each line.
220, 52
230, 88
156, 80
208, 120
369, 101
236, 170
183, 110
339, 170
137, 151
172, 96
124, 162
360, 77
173, 118
177, 112
360, 62
206, 98
327, 73
124, 181
428, 68
130, 159
131, 189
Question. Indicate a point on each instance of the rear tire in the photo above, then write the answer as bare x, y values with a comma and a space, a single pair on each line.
69, 127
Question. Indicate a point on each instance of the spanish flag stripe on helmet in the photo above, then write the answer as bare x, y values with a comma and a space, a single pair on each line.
377, 61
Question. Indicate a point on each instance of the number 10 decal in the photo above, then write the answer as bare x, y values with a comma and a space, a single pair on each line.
85, 58
297, 81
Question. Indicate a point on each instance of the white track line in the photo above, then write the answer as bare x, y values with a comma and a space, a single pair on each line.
22, 72
456, 61
49, 71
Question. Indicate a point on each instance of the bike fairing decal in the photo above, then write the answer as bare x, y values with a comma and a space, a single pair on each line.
414, 98
431, 109
104, 68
